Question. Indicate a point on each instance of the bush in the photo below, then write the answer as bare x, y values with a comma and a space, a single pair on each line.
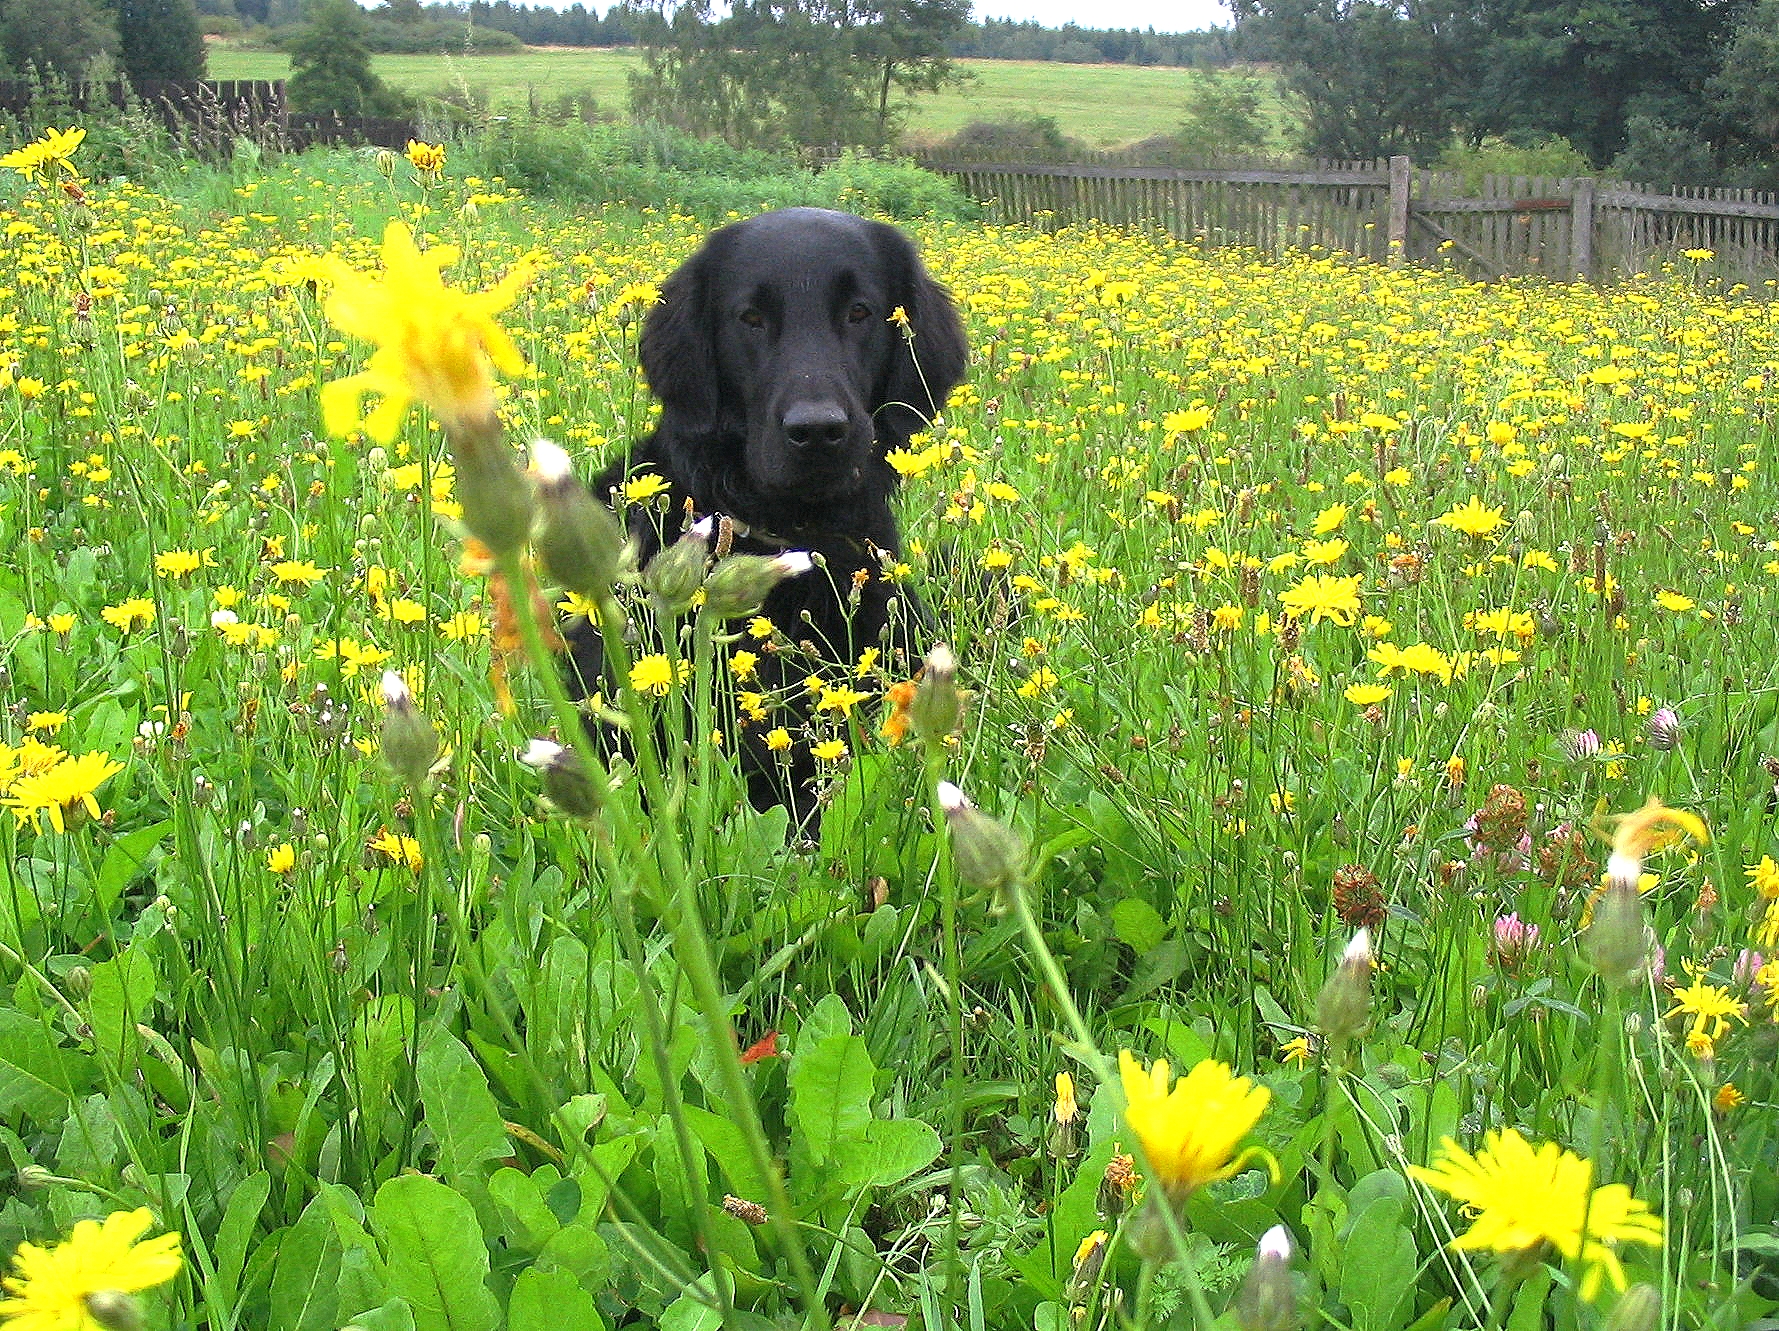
655, 165
1552, 156
1032, 138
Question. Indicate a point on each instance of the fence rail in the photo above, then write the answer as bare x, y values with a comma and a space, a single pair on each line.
1390, 210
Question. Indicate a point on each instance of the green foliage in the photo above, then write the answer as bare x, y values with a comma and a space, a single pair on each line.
1225, 116
64, 38
161, 39
636, 164
1497, 157
804, 72
330, 64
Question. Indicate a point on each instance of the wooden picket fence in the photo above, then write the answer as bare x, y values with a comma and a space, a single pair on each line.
1391, 211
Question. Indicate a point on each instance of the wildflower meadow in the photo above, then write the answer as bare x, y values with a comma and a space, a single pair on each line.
1322, 873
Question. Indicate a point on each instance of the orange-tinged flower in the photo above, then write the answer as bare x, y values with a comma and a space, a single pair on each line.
434, 345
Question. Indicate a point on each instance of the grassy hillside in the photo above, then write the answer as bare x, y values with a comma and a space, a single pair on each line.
1104, 105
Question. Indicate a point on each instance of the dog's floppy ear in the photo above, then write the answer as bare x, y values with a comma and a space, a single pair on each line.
922, 370
678, 347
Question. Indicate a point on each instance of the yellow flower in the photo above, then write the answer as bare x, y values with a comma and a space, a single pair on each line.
281, 859
1674, 601
1322, 596
828, 751
1472, 519
1296, 1052
1650, 828
50, 1287
135, 613
434, 345
1764, 878
1190, 1131
1375, 420
298, 570
427, 158
403, 850
1523, 1198
1329, 519
61, 790
1366, 695
1186, 422
178, 563
652, 674
778, 739
1710, 1006
1728, 1098
645, 486
1066, 1106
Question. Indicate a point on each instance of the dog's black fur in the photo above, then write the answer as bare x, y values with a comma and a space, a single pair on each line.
783, 383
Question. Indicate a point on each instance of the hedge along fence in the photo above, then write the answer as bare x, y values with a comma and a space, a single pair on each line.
208, 115
1390, 211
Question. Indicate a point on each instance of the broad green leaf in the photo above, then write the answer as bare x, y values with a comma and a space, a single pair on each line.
728, 1147
229, 1252
892, 1150
436, 1258
124, 858
1379, 1263
1138, 924
123, 990
525, 1219
460, 1109
831, 1094
395, 1315
36, 1075
305, 1282
551, 1300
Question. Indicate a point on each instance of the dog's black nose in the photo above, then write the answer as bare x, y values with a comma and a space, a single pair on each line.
815, 424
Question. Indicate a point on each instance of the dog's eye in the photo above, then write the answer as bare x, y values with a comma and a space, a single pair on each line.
858, 312
752, 317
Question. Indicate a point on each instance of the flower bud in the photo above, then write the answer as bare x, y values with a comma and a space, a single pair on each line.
1344, 1005
114, 1310
1090, 1256
32, 1177
578, 539
409, 745
1267, 1300
938, 706
1617, 942
494, 493
675, 575
1639, 1308
567, 783
988, 855
738, 586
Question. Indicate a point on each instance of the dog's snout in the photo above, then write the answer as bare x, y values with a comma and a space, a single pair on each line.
816, 424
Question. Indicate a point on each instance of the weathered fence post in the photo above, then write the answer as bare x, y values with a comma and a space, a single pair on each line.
1396, 227
1581, 221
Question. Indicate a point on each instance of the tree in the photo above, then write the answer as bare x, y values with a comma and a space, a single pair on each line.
805, 71
66, 36
330, 65
1582, 69
161, 39
1371, 77
1224, 116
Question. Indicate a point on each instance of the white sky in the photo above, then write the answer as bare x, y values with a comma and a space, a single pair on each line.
1162, 15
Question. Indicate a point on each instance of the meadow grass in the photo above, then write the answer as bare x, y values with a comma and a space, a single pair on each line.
1292, 598
1104, 106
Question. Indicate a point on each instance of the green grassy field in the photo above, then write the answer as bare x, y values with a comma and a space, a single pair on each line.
1104, 105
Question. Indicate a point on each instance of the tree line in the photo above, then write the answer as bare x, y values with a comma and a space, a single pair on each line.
1661, 91
101, 40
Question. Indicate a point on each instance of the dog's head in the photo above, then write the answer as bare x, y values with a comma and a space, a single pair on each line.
780, 361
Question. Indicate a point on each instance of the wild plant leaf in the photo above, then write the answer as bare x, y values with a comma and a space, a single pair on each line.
437, 1260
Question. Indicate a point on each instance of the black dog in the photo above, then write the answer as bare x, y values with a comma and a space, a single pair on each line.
782, 356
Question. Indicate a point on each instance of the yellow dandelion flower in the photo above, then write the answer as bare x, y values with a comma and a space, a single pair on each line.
1764, 878
397, 849
62, 790
1522, 1198
281, 859
434, 345
828, 751
50, 1287
1710, 1006
1322, 596
1472, 519
778, 739
128, 616
1190, 1130
652, 674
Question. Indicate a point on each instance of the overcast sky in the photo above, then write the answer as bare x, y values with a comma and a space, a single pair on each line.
1162, 15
